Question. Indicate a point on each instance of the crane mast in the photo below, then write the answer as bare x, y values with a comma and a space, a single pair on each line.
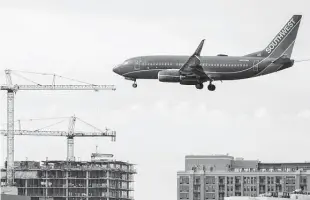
11, 90
70, 142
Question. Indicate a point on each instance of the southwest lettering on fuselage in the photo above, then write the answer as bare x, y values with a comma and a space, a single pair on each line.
197, 69
281, 35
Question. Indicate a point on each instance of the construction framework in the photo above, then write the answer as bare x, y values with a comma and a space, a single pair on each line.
104, 179
12, 89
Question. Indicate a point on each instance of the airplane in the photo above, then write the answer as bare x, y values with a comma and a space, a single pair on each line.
197, 69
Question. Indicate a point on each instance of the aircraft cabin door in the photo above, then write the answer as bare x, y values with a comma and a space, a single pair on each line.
137, 64
255, 65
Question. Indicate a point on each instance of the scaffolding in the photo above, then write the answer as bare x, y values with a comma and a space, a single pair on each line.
70, 180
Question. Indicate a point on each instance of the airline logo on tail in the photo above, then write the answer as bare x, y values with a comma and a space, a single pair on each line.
276, 41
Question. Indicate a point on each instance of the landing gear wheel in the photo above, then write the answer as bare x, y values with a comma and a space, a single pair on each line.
199, 86
134, 85
211, 87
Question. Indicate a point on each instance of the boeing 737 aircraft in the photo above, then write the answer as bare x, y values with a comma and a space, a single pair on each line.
196, 69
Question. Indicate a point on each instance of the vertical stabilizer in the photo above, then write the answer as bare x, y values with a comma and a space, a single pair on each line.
283, 42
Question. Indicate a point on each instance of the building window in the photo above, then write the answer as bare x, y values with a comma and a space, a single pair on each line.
184, 196
184, 180
184, 188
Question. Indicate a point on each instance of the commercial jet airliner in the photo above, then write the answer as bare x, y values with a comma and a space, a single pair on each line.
196, 69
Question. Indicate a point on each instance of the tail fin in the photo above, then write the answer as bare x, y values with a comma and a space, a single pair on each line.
283, 43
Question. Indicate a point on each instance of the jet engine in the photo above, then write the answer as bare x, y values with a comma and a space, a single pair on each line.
169, 75
174, 76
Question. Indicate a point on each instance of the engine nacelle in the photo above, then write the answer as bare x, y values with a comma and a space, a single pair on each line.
169, 75
188, 81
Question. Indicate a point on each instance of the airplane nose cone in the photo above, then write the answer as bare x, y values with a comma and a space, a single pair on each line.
116, 70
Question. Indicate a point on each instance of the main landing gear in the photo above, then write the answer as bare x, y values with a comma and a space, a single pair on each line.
199, 86
211, 87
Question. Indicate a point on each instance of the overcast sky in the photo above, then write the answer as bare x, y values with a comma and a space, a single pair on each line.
157, 124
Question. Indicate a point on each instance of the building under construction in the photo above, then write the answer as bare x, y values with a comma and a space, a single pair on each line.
102, 179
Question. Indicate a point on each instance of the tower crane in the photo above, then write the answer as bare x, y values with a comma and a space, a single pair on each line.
11, 91
71, 134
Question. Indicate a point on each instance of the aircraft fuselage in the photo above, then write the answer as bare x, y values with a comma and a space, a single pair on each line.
218, 67
197, 69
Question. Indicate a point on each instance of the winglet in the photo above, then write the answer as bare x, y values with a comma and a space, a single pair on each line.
199, 48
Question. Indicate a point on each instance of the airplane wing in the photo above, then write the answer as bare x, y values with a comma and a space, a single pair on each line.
192, 66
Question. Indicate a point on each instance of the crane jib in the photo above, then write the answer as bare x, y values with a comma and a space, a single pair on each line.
58, 87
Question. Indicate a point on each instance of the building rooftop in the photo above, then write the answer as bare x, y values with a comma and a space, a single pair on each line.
226, 163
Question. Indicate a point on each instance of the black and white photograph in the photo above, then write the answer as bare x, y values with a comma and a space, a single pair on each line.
155, 100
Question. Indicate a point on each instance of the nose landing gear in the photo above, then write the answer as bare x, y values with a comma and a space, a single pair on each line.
134, 85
